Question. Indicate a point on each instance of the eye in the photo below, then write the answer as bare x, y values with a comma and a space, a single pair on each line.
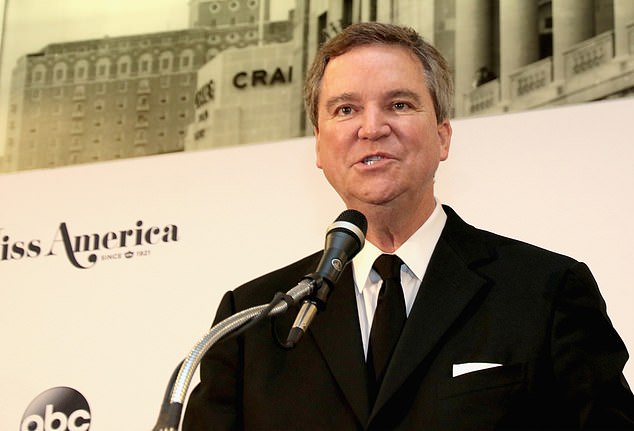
344, 110
400, 106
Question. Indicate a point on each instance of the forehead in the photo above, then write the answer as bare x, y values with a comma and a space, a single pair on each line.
373, 67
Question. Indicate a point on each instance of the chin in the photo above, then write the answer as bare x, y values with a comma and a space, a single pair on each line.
376, 199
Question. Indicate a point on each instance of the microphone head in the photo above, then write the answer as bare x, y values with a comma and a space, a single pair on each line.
354, 226
356, 218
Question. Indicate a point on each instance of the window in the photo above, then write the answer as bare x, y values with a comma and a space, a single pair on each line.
103, 68
141, 135
143, 86
39, 73
77, 128
141, 120
81, 70
99, 105
123, 66
142, 103
59, 72
145, 64
214, 7
186, 59
79, 93
165, 61
233, 37
234, 6
322, 23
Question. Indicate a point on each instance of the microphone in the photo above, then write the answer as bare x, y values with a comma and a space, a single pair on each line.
345, 237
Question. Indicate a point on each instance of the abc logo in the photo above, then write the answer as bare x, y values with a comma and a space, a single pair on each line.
57, 409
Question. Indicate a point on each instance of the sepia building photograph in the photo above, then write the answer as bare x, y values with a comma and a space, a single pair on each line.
233, 73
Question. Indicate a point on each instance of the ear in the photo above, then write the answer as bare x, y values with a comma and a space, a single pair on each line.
444, 136
317, 147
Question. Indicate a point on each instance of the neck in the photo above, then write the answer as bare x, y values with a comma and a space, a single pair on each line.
389, 227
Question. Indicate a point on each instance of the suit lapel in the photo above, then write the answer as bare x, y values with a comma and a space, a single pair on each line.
447, 288
337, 334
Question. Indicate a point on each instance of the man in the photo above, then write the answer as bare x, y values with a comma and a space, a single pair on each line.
496, 333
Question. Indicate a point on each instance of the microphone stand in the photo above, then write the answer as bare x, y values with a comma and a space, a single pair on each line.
171, 409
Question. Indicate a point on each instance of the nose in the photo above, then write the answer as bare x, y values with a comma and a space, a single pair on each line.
374, 124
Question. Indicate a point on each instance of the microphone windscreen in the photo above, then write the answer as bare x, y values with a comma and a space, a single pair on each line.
356, 218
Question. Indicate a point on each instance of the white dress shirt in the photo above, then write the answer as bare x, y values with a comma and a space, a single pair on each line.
415, 253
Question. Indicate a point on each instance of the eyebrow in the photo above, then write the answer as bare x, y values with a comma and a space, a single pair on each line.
403, 93
341, 98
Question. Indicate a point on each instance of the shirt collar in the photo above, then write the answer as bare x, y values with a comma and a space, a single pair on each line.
415, 252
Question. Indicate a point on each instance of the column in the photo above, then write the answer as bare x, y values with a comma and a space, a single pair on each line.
418, 14
573, 22
519, 39
623, 16
473, 44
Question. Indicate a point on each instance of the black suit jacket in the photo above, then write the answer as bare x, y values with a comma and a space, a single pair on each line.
484, 298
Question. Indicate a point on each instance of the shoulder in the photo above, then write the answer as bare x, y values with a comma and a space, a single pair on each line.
473, 243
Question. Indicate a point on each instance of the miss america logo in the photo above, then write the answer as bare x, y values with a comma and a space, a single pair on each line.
81, 250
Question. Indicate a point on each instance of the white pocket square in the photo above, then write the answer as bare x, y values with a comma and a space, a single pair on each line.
470, 367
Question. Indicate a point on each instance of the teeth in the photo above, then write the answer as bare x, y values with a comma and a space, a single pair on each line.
370, 160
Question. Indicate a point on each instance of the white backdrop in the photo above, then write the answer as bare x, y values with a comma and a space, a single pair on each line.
561, 178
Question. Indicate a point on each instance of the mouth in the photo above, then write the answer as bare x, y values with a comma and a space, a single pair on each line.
370, 160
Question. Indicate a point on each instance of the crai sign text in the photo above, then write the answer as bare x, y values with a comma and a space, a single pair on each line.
261, 77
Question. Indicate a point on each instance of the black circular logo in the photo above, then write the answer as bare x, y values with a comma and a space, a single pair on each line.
337, 264
57, 409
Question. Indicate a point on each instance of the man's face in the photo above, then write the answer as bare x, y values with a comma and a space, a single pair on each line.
378, 141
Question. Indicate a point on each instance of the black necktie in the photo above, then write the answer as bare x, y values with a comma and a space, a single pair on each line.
389, 319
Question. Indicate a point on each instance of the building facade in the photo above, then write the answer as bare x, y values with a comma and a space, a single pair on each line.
104, 99
120, 97
547, 53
